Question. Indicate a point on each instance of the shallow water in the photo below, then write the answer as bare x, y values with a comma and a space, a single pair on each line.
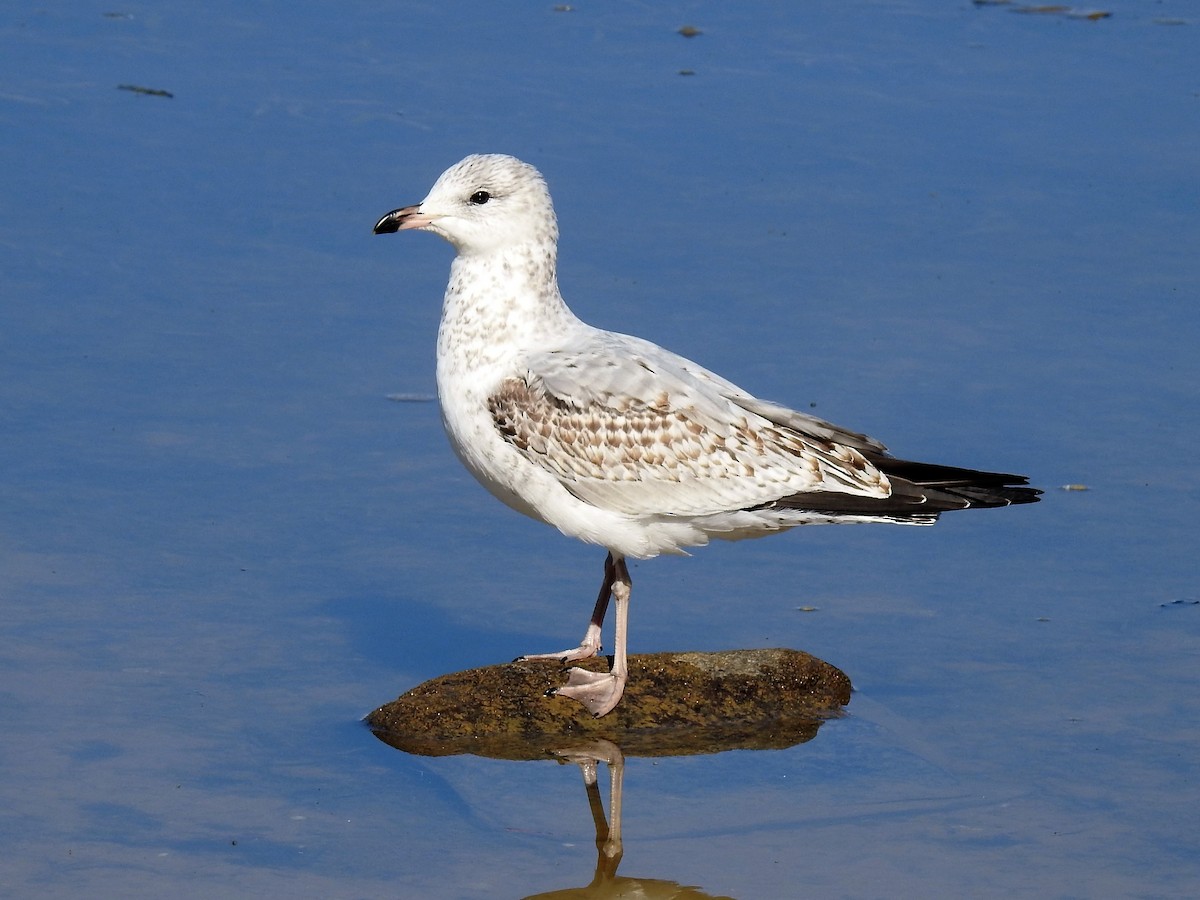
967, 231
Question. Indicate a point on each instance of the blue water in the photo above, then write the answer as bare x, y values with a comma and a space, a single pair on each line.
972, 233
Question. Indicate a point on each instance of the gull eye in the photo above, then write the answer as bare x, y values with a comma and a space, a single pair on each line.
480, 197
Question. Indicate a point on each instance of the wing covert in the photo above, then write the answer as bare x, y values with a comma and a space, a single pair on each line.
627, 426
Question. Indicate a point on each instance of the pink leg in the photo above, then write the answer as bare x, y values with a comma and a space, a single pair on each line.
601, 691
590, 645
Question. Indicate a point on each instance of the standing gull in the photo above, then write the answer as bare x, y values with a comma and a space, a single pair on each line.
618, 442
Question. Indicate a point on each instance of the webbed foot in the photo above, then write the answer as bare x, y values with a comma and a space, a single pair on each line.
600, 692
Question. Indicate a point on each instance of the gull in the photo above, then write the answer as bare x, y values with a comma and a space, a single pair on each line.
614, 440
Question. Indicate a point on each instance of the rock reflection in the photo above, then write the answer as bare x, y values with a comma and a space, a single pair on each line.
680, 704
606, 883
588, 753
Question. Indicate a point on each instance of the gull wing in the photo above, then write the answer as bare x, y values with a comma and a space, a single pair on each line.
628, 426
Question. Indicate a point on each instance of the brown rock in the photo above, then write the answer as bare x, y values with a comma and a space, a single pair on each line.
674, 704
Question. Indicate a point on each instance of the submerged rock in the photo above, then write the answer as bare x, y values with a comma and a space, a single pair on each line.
675, 703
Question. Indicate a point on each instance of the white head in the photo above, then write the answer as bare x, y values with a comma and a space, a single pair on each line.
482, 204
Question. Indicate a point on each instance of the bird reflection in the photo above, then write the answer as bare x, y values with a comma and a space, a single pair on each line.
606, 884
754, 700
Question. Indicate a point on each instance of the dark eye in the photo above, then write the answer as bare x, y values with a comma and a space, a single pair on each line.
480, 197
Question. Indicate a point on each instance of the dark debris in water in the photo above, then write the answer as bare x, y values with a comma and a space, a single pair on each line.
150, 92
1179, 603
1053, 9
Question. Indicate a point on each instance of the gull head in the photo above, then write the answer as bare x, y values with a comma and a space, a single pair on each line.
481, 205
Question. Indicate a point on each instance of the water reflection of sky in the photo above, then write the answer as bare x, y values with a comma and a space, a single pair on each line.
969, 232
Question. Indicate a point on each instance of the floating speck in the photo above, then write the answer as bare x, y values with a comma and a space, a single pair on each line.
690, 31
150, 92
1075, 487
1053, 9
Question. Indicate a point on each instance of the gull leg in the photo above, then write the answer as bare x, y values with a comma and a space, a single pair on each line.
601, 691
590, 645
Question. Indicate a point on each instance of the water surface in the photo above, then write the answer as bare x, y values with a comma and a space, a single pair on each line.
968, 231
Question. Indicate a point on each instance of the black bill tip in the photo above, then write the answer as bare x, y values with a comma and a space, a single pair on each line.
390, 223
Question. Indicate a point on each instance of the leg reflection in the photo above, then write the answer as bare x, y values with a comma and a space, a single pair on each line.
608, 831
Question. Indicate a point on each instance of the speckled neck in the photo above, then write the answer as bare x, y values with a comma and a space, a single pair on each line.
500, 303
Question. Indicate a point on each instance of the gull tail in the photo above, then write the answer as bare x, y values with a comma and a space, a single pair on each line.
920, 491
